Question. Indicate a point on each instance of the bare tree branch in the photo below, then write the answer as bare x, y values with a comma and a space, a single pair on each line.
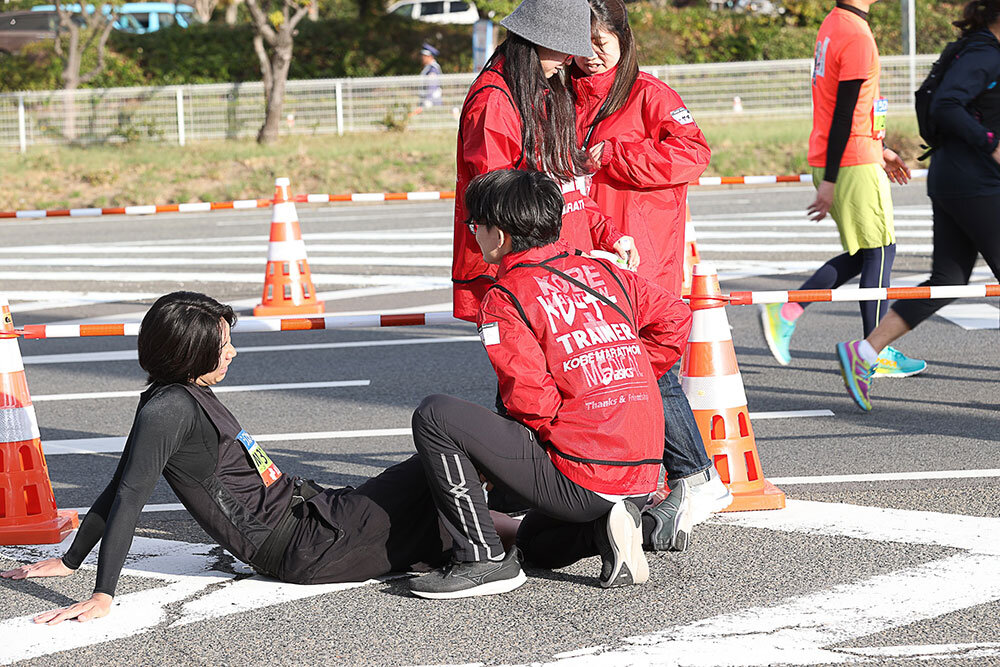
100, 54
262, 25
265, 63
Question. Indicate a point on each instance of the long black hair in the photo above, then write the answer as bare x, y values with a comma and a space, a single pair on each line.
180, 337
978, 15
612, 16
548, 119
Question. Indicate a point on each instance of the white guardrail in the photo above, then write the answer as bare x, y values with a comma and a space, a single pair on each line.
179, 114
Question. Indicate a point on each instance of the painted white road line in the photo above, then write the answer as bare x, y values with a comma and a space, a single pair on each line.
23, 301
798, 630
798, 234
805, 224
878, 524
223, 249
261, 261
927, 651
117, 443
158, 507
790, 414
189, 277
133, 355
972, 316
888, 476
744, 248
217, 390
187, 572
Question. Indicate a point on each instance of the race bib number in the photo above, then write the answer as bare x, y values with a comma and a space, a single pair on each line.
879, 112
268, 472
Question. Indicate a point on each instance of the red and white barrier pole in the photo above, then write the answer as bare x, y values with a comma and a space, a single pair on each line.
251, 325
865, 294
355, 197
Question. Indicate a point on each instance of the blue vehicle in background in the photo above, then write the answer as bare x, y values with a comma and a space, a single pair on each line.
139, 17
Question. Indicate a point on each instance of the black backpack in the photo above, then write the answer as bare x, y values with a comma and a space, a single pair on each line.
924, 94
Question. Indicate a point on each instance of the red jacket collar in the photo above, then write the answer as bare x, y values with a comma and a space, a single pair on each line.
595, 85
532, 256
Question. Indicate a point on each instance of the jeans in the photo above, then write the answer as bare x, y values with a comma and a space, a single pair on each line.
683, 449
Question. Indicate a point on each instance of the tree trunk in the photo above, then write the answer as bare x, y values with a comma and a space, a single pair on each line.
274, 86
232, 11
71, 81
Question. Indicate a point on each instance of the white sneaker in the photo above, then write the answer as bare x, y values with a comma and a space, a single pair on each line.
707, 497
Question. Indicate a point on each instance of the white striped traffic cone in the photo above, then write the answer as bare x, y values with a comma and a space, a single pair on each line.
713, 385
288, 285
28, 513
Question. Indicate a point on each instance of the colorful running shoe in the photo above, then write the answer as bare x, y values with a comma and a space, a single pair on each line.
894, 364
857, 373
777, 331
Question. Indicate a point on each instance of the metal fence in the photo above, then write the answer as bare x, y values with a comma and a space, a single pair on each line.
180, 114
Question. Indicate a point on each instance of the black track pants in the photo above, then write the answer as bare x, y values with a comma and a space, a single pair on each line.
963, 229
458, 440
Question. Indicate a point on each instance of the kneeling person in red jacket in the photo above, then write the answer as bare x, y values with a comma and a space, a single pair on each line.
577, 346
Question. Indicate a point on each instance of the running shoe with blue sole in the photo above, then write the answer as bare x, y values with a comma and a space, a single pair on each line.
894, 364
857, 373
777, 332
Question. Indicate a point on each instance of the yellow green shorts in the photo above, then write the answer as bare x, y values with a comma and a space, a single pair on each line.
862, 206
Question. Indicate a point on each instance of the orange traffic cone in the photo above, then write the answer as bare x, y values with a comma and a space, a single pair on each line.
712, 383
288, 286
691, 256
28, 513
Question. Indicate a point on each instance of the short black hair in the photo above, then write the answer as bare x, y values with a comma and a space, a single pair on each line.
181, 336
527, 205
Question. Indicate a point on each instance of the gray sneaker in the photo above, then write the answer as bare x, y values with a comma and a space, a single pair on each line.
464, 580
672, 521
619, 540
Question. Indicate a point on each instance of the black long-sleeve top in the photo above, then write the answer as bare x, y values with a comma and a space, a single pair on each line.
966, 111
170, 429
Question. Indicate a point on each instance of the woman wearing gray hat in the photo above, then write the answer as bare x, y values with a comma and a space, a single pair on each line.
519, 114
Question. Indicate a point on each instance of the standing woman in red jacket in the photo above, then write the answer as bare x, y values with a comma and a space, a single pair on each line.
519, 114
646, 148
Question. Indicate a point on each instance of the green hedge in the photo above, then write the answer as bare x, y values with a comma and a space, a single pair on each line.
386, 45
323, 49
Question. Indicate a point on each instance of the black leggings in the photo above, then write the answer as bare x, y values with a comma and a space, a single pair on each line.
874, 265
963, 228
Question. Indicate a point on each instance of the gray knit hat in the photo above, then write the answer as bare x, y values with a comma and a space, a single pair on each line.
560, 25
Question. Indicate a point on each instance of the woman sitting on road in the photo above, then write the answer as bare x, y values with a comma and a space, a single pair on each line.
284, 527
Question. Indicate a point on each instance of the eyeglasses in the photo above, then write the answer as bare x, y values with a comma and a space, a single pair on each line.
473, 227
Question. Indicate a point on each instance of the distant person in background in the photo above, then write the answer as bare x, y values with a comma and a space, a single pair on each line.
851, 168
519, 115
431, 96
963, 184
646, 148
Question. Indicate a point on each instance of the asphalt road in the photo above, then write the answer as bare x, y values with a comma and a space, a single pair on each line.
899, 564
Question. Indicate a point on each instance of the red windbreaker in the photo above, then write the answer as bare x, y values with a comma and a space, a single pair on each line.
489, 138
577, 371
652, 150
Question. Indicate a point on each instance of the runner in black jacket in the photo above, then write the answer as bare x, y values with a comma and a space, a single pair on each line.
286, 528
963, 184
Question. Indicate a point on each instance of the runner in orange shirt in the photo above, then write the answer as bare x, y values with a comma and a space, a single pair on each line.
852, 170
